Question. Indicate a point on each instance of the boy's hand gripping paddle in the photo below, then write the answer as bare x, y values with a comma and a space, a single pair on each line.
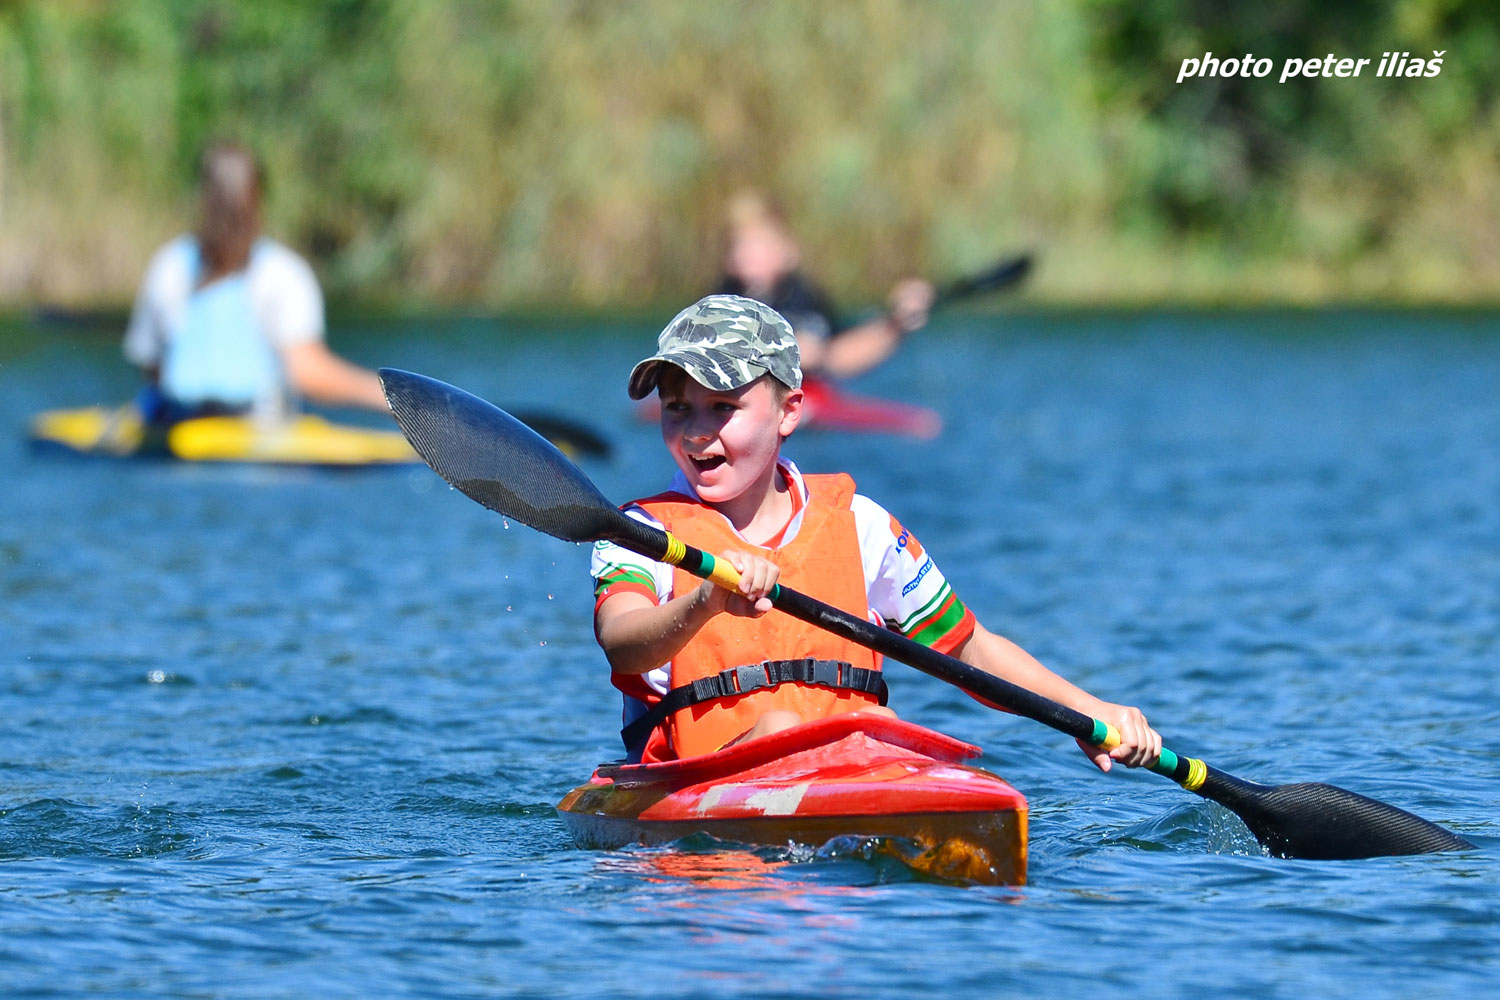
504, 465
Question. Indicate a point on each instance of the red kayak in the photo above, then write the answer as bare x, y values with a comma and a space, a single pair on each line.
829, 406
847, 775
832, 408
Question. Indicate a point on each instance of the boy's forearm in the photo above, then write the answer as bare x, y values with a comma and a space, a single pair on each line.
997, 655
642, 639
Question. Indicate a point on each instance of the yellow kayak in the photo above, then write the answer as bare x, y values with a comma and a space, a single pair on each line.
304, 440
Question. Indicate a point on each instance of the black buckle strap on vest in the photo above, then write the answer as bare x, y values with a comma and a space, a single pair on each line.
731, 683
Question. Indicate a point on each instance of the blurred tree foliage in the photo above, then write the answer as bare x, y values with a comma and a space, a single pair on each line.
579, 151
1339, 172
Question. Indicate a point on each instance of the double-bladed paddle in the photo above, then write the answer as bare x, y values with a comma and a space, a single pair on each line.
569, 435
504, 465
1002, 275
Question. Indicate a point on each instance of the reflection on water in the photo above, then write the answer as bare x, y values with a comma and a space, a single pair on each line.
710, 868
702, 862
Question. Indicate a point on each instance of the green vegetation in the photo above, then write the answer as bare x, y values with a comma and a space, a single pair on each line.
545, 152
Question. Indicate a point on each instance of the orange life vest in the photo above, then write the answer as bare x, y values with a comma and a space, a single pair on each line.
823, 561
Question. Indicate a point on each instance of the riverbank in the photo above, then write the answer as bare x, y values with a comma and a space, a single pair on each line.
543, 155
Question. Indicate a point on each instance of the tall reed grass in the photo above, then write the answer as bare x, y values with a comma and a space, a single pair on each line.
578, 152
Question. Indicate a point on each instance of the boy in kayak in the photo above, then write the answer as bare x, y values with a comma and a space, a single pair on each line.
762, 261
700, 667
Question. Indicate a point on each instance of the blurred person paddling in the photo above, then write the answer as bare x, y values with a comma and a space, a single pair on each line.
230, 321
762, 261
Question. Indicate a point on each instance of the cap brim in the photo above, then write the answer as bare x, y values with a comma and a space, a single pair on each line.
645, 376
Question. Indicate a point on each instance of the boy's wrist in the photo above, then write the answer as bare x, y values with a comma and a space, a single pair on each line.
707, 601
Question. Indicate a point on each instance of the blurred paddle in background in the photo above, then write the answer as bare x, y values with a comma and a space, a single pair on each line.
1004, 274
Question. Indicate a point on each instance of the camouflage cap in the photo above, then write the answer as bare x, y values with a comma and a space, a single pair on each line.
723, 342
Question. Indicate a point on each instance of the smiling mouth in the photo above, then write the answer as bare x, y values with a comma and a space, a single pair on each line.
707, 463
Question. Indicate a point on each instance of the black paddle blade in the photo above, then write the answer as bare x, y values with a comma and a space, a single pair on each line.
1000, 276
1326, 823
570, 437
497, 460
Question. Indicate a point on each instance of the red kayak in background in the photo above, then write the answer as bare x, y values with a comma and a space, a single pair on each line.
831, 408
851, 775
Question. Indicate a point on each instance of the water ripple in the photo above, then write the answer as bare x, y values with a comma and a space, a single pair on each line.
280, 735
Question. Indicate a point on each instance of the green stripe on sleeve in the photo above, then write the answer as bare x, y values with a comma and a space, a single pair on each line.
929, 632
617, 575
915, 619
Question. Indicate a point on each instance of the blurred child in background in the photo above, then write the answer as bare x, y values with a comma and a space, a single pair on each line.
762, 261
230, 321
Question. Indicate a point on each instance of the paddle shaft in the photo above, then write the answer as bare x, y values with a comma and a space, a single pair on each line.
656, 544
998, 276
1001, 275
1295, 821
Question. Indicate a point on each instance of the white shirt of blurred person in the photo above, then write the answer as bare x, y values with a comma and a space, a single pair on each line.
227, 320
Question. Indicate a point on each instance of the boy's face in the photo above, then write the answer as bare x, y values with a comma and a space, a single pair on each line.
725, 441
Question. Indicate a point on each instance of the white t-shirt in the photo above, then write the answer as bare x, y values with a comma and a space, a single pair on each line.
906, 590
283, 291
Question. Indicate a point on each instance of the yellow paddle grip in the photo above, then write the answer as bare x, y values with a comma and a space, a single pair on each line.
1111, 738
1197, 773
723, 573
720, 571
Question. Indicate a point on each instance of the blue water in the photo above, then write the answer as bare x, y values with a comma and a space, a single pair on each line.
270, 734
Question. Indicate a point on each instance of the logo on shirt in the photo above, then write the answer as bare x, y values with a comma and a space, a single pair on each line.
602, 544
905, 540
916, 580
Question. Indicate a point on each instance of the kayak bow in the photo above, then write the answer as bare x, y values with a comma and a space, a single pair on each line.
850, 775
